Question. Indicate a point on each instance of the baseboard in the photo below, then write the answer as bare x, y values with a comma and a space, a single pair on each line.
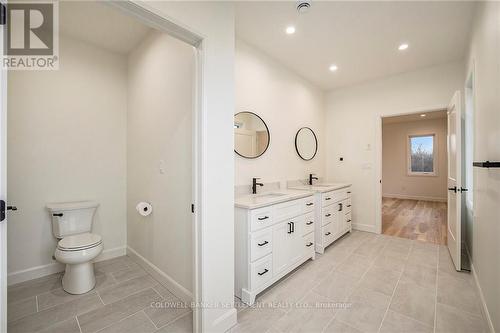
414, 197
363, 227
55, 267
173, 286
224, 322
481, 295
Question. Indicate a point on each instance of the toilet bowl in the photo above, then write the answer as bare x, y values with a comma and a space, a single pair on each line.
78, 252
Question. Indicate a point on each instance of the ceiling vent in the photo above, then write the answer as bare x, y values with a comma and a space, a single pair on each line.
303, 6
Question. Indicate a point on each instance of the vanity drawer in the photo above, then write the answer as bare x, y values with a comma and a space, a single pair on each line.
261, 243
261, 271
261, 218
308, 243
347, 205
328, 233
308, 223
287, 210
348, 219
330, 197
327, 214
308, 204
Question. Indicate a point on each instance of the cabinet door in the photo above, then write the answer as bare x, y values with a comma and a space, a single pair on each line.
281, 246
338, 218
296, 241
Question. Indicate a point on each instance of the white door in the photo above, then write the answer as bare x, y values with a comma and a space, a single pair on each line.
454, 179
3, 189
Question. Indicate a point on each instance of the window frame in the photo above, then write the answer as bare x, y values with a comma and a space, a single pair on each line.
434, 172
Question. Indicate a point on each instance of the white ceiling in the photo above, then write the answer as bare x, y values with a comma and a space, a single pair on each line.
415, 117
101, 25
360, 37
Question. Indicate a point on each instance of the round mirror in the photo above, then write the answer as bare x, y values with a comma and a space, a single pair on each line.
306, 143
251, 135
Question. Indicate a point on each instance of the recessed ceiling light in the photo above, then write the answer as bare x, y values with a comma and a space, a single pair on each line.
333, 68
290, 29
423, 115
403, 47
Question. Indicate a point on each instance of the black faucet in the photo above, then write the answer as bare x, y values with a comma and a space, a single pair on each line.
311, 177
254, 185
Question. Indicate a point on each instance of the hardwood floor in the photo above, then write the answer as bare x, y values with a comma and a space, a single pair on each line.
413, 219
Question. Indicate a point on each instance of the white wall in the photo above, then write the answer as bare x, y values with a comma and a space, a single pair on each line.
214, 21
351, 125
484, 53
396, 183
66, 142
159, 135
286, 102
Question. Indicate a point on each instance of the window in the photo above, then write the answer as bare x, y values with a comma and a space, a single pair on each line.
422, 155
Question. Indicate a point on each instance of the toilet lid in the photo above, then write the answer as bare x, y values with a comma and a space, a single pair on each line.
79, 241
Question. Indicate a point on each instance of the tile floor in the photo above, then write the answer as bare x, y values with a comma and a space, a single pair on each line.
121, 302
370, 283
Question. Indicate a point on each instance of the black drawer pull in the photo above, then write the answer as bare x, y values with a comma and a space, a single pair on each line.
309, 204
264, 272
309, 223
328, 233
340, 207
348, 205
58, 214
348, 192
310, 244
328, 215
263, 218
328, 198
348, 220
262, 244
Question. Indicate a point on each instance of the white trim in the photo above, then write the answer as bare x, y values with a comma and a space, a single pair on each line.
166, 280
226, 321
414, 197
377, 175
486, 313
56, 267
3, 186
364, 227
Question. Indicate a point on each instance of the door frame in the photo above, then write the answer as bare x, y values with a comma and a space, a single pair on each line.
377, 174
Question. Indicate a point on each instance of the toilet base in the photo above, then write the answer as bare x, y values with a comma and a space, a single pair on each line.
79, 278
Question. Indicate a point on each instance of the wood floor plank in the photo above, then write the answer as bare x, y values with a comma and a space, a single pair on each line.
415, 219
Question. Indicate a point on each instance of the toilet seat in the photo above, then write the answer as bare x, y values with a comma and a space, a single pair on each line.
79, 242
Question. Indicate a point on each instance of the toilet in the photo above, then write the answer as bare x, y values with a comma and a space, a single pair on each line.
77, 246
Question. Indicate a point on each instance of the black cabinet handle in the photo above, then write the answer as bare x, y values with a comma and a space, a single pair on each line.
309, 223
340, 207
289, 228
310, 244
58, 214
263, 218
328, 215
348, 192
309, 204
348, 220
348, 206
328, 233
264, 272
262, 244
328, 198
293, 226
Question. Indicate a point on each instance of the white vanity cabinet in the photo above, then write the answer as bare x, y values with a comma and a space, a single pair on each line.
333, 216
270, 242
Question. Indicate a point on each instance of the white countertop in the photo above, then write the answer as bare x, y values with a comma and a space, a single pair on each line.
323, 187
252, 201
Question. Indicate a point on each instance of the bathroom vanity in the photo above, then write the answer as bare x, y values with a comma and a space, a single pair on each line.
332, 212
274, 233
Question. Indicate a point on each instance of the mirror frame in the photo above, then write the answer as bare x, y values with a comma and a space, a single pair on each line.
315, 140
268, 135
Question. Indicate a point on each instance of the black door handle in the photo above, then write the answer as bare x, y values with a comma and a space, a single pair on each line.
463, 189
4, 209
262, 244
264, 272
454, 189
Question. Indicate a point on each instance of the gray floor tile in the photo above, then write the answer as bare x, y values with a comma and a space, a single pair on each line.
362, 316
67, 326
380, 279
166, 311
459, 293
450, 319
126, 288
34, 287
137, 323
128, 273
374, 298
98, 319
56, 314
312, 314
424, 276
21, 308
423, 257
397, 323
285, 292
336, 287
112, 265
180, 325
336, 326
414, 301
258, 319
389, 261
355, 266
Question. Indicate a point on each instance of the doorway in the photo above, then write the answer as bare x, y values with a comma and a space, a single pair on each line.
414, 174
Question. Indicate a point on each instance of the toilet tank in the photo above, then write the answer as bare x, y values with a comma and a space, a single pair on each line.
69, 218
